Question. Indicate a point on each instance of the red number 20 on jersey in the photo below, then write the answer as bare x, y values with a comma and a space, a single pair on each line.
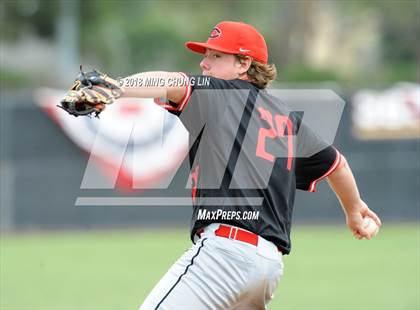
277, 129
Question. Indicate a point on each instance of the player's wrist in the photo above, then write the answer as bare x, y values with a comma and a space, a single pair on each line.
355, 208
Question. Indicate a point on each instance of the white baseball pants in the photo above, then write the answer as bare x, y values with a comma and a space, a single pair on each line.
219, 273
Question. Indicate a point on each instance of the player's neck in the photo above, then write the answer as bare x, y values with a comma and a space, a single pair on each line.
244, 77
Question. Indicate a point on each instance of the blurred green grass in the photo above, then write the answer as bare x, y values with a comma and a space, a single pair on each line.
327, 269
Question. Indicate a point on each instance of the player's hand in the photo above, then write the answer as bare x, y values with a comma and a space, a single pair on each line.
355, 221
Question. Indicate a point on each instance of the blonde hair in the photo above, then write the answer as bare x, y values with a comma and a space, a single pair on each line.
260, 74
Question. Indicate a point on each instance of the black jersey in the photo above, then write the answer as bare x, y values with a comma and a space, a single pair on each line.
249, 154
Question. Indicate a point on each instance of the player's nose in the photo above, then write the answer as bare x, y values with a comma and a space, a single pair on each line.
204, 65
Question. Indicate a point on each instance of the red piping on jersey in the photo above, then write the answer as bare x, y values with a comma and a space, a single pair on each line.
187, 94
312, 186
164, 104
194, 181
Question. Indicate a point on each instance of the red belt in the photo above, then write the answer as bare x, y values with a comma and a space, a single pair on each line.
235, 233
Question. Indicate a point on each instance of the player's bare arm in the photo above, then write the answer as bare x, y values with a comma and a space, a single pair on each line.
344, 185
165, 88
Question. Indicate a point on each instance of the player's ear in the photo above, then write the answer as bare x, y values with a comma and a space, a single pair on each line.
244, 63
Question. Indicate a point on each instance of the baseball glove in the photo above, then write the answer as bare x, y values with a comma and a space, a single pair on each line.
90, 93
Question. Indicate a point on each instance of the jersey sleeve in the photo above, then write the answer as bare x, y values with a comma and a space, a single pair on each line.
192, 83
173, 107
202, 82
315, 161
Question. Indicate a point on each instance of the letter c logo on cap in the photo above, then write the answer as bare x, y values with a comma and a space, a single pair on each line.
215, 33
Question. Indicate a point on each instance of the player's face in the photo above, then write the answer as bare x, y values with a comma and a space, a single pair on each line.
221, 65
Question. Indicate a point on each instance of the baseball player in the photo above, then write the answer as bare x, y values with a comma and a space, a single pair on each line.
249, 154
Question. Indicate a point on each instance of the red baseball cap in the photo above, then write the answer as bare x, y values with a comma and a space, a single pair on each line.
234, 38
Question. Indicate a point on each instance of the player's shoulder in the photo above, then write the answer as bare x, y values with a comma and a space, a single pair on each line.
209, 82
273, 101
242, 84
